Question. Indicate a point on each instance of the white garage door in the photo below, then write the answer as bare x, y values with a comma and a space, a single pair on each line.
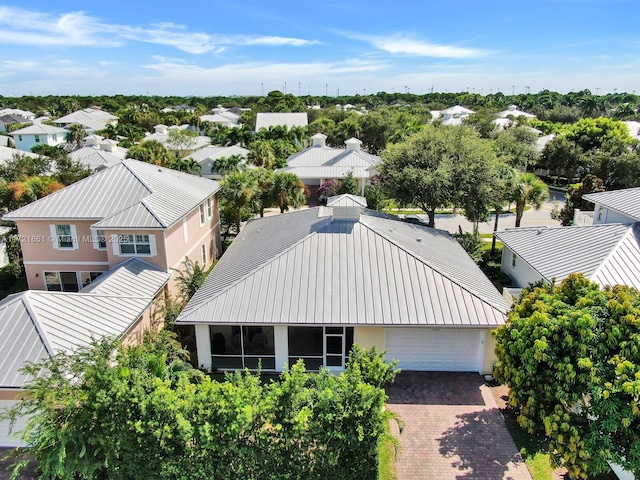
436, 349
6, 439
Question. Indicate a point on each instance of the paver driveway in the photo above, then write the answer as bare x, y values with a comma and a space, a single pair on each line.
452, 429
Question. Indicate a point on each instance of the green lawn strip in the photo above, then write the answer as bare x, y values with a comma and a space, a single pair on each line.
387, 461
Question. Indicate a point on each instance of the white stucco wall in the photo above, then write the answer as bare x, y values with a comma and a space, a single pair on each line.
522, 274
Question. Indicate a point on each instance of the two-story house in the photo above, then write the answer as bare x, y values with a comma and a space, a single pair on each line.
133, 209
38, 134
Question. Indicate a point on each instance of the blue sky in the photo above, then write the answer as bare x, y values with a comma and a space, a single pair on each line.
250, 47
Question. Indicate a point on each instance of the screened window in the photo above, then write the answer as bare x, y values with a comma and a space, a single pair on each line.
320, 346
61, 281
235, 347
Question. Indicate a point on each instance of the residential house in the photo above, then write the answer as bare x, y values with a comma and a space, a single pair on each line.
161, 134
9, 119
289, 120
4, 256
37, 324
133, 209
615, 206
309, 284
452, 115
207, 155
30, 116
98, 153
7, 154
38, 134
222, 116
91, 119
608, 254
506, 117
319, 163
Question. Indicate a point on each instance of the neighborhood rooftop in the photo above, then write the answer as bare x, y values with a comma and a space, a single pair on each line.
608, 254
129, 194
311, 268
625, 201
35, 324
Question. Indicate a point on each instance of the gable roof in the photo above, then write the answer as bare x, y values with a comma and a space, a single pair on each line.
91, 118
94, 157
306, 267
346, 200
291, 119
131, 194
39, 129
7, 153
608, 254
35, 324
626, 202
320, 161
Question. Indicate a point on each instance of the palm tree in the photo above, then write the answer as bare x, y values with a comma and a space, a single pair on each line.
150, 151
528, 189
261, 154
75, 134
239, 193
288, 190
226, 165
187, 165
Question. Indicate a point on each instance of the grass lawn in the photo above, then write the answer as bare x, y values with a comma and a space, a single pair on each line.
387, 461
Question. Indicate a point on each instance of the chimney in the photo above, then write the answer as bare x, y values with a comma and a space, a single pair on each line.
353, 144
319, 140
346, 213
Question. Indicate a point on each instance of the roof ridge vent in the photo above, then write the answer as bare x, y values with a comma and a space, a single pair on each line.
346, 213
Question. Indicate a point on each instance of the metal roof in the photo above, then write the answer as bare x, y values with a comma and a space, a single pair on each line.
346, 200
609, 254
291, 119
38, 129
306, 267
95, 158
7, 153
131, 194
625, 201
34, 324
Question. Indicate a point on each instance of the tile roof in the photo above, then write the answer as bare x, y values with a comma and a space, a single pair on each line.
35, 324
625, 201
306, 267
131, 194
608, 253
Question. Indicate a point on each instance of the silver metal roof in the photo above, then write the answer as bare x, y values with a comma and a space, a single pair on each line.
290, 119
7, 153
608, 254
625, 201
34, 324
346, 200
39, 129
307, 268
131, 194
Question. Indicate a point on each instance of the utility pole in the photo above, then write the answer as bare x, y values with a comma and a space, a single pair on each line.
527, 89
513, 89
298, 88
285, 88
326, 89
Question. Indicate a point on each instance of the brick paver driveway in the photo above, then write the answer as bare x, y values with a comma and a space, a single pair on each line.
452, 429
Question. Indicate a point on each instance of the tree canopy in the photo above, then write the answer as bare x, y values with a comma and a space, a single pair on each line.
570, 354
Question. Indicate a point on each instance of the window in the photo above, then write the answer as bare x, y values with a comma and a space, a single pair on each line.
206, 211
100, 240
203, 254
513, 260
600, 213
202, 216
61, 281
135, 244
19, 138
63, 236
320, 346
242, 347
54, 137
87, 277
37, 138
68, 281
209, 208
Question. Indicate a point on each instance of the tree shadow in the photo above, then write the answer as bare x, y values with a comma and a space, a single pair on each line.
480, 446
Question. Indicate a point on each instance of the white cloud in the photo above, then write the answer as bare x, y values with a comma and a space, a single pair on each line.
77, 29
405, 45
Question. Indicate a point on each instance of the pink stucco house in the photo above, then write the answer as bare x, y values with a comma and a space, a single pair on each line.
133, 209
